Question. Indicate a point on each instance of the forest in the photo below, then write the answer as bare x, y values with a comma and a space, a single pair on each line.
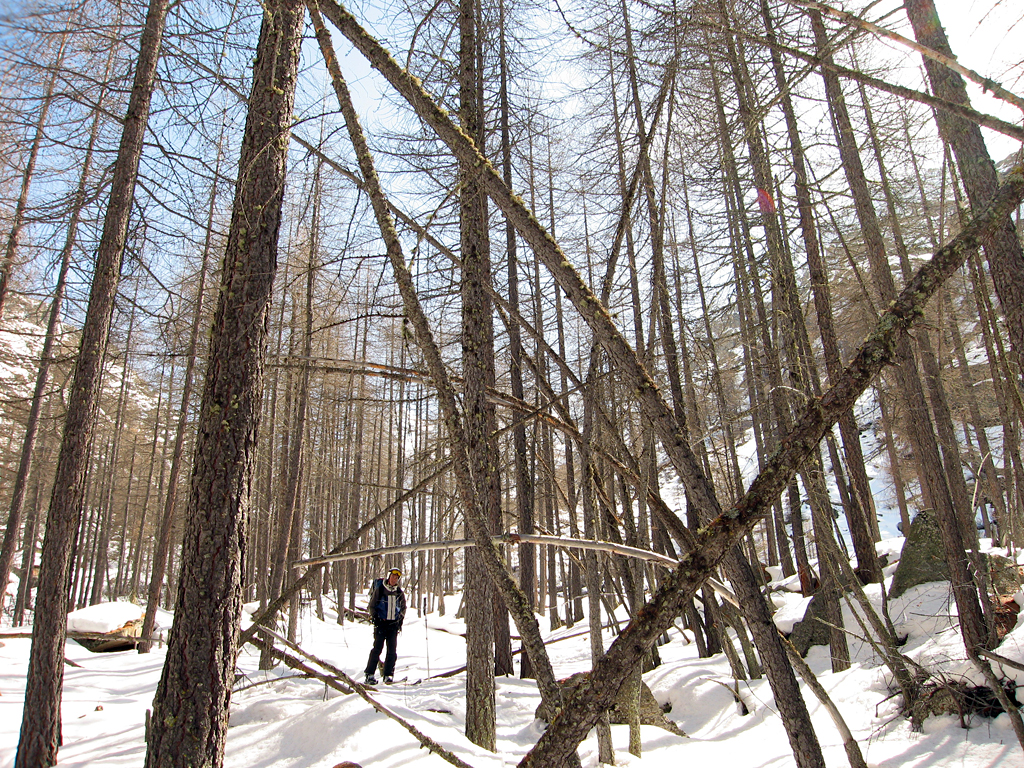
570, 312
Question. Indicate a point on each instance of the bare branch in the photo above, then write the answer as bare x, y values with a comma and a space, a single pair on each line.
986, 83
508, 538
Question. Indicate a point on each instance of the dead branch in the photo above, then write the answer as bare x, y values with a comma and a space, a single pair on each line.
508, 538
297, 664
360, 690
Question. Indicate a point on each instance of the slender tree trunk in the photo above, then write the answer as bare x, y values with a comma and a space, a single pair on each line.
514, 598
11, 248
122, 552
163, 540
137, 562
103, 544
28, 554
948, 441
972, 621
523, 479
894, 460
45, 360
592, 529
296, 462
1005, 253
867, 563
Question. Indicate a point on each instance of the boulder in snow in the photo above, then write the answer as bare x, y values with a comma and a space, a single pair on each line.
923, 559
809, 631
1004, 574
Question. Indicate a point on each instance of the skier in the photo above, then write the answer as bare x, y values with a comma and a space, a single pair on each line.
387, 611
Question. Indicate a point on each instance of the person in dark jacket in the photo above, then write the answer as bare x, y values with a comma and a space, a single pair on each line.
387, 611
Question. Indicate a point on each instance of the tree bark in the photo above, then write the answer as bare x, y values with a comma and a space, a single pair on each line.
40, 728
478, 375
933, 478
190, 709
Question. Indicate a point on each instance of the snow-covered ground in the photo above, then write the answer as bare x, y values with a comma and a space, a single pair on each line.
280, 720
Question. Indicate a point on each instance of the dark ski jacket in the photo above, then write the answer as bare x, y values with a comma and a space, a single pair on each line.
385, 604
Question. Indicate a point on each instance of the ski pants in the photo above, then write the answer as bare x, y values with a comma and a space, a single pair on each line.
384, 632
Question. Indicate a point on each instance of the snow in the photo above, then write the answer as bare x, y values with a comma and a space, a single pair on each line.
105, 617
283, 721
790, 609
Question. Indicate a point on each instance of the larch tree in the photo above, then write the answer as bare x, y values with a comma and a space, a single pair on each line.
190, 710
40, 728
1005, 253
478, 375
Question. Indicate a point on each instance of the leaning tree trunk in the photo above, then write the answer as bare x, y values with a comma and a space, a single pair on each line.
1004, 252
933, 479
190, 710
516, 601
40, 726
714, 541
860, 496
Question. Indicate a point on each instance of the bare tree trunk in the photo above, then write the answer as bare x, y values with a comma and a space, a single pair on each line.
867, 563
975, 629
592, 528
478, 374
103, 548
122, 550
894, 459
137, 562
525, 491
948, 442
28, 553
514, 598
296, 464
190, 709
1003, 382
163, 541
11, 248
40, 728
45, 360
1005, 253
